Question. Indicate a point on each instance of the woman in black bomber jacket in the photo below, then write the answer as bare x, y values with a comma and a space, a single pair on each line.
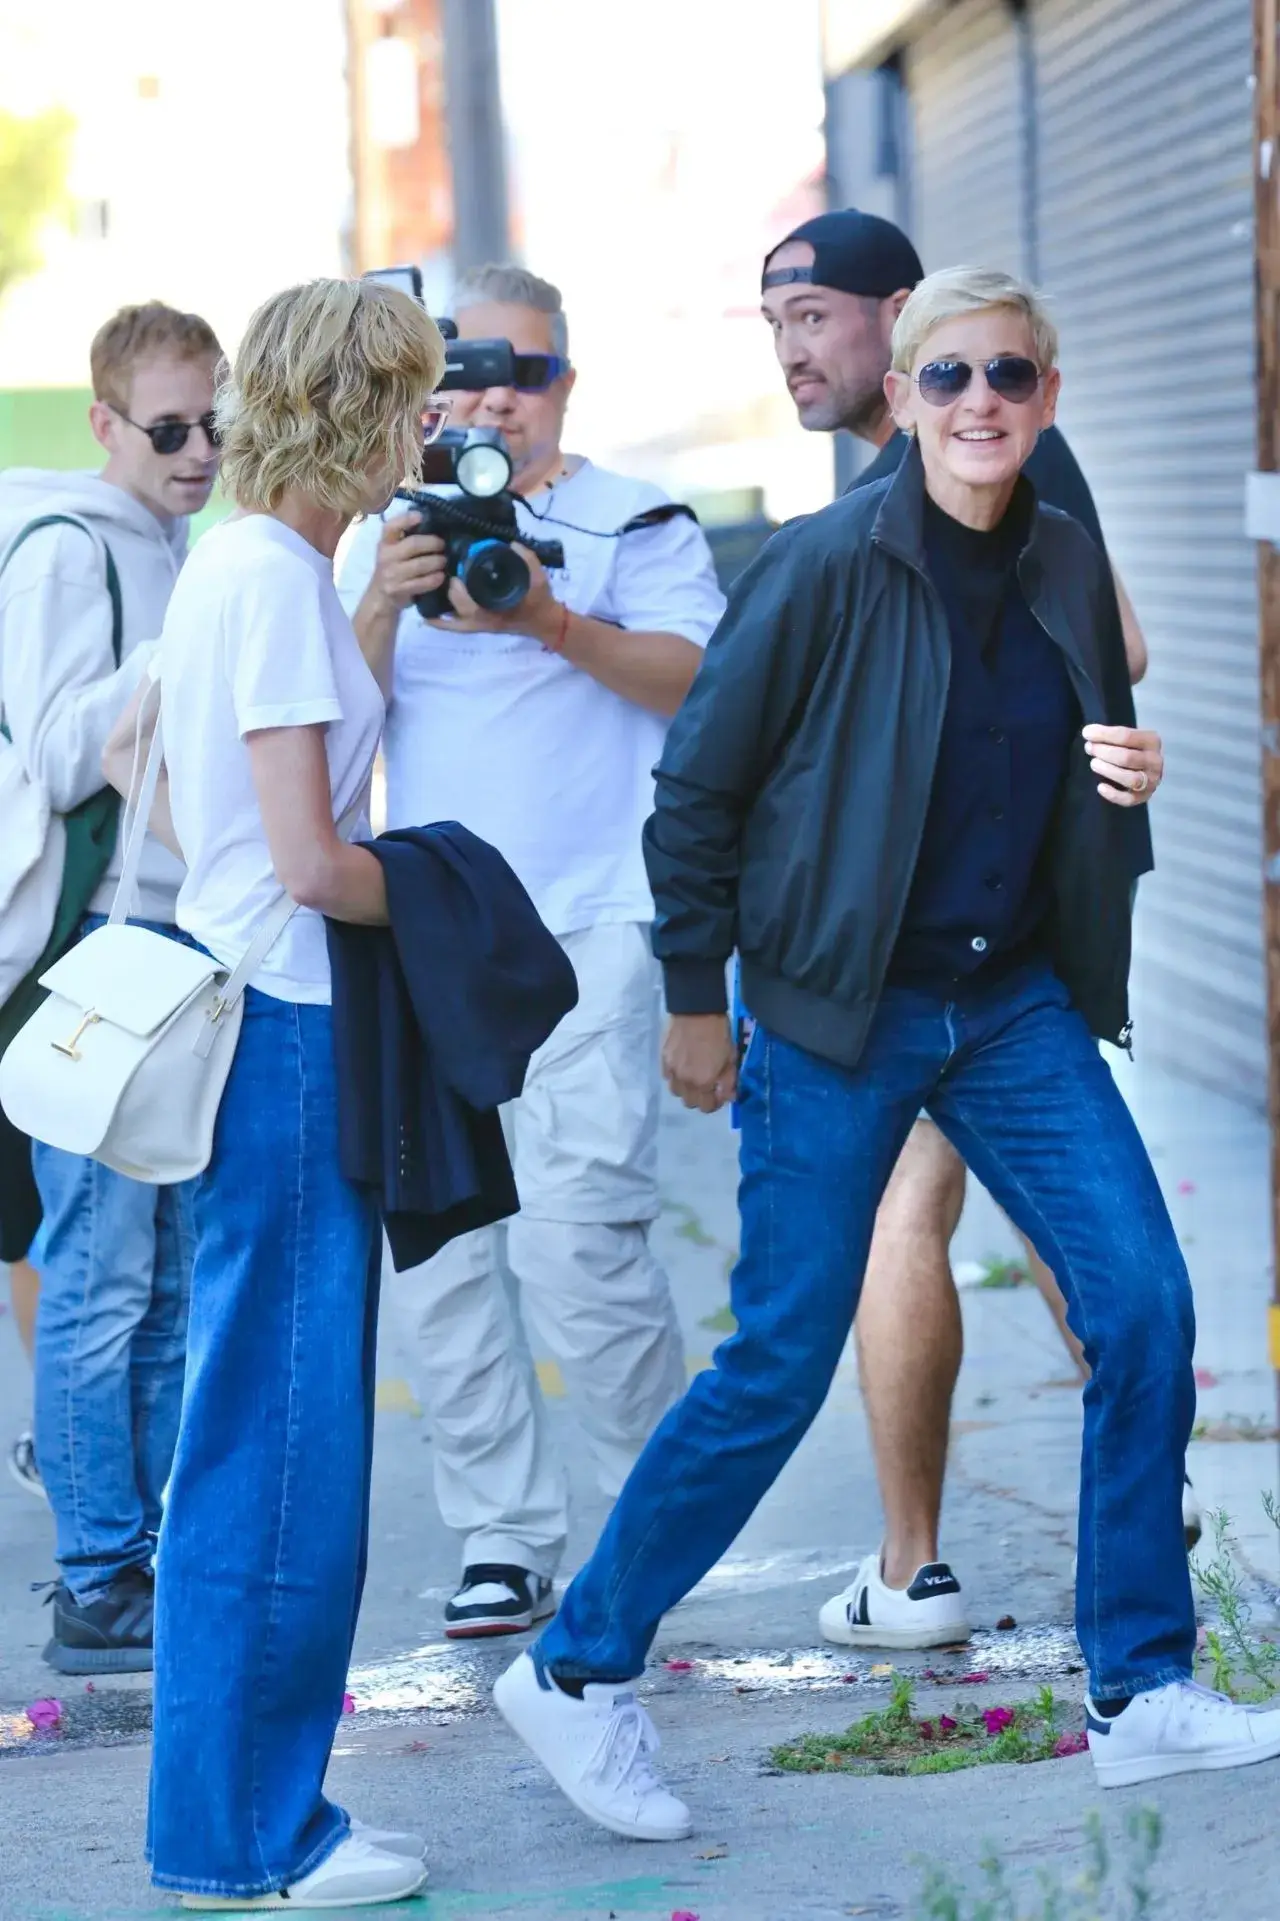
892, 790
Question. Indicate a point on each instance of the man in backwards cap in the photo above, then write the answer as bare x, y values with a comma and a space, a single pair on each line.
831, 292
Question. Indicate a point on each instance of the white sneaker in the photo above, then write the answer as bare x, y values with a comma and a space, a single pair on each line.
354, 1876
928, 1614
391, 1840
596, 1750
1178, 1730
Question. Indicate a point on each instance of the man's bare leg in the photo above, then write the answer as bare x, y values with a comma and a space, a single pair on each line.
910, 1343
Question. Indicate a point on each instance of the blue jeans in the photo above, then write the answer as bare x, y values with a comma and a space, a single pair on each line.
1013, 1079
262, 1551
115, 1270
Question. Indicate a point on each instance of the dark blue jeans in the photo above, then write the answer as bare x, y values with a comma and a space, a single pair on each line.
262, 1549
1013, 1079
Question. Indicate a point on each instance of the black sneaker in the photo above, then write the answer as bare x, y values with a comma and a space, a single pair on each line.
111, 1635
494, 1599
22, 1466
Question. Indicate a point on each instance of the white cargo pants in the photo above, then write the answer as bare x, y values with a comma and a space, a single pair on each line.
574, 1265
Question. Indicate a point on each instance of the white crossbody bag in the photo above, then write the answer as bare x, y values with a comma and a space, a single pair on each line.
127, 1059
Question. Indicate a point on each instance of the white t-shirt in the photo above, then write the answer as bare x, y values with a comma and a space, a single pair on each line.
525, 749
255, 636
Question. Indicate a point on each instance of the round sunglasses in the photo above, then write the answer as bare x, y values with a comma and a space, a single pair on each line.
171, 436
1012, 376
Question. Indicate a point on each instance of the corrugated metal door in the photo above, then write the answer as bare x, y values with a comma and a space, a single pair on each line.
1145, 245
962, 76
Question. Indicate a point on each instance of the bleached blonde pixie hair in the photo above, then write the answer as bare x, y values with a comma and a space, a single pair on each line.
329, 383
964, 290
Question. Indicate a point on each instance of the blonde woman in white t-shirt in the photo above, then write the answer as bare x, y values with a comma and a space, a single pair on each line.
271, 723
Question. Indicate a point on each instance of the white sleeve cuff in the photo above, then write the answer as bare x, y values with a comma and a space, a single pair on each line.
303, 713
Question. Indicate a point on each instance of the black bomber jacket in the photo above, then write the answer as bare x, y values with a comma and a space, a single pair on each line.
793, 788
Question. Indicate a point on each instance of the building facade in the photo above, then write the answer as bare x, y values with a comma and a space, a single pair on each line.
1104, 149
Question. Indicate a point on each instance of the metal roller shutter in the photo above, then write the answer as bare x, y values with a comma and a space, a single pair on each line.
1145, 212
962, 76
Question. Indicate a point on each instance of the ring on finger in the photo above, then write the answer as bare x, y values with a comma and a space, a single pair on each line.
1142, 783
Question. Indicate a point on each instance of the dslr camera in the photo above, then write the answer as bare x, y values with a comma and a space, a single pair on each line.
480, 528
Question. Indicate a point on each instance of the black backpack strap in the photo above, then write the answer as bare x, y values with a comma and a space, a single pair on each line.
113, 578
658, 516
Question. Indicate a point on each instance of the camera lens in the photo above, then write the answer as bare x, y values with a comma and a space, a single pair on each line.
494, 576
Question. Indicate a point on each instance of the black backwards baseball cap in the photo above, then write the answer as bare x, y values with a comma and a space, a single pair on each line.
853, 252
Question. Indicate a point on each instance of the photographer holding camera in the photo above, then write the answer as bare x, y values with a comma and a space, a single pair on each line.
538, 728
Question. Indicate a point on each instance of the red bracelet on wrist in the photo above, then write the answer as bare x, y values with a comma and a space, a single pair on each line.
556, 646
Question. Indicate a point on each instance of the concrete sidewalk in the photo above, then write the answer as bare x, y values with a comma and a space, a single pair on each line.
425, 1748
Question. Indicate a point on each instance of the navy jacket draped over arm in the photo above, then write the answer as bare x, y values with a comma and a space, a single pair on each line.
435, 1019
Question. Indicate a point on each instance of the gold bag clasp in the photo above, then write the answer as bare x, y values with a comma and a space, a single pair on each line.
69, 1048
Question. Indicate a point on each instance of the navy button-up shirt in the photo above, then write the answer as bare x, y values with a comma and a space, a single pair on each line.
978, 897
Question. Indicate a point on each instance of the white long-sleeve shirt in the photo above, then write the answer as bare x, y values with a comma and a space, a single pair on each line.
60, 690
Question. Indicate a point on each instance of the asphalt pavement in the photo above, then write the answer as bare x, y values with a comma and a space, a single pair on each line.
425, 1748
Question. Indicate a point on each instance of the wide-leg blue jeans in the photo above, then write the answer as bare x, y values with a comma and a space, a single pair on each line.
1012, 1077
262, 1550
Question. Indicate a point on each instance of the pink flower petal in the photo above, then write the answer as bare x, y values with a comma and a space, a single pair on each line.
972, 1680
947, 1725
1071, 1744
996, 1720
678, 1667
848, 1677
926, 1731
683, 1914
89, 1687
1186, 1187
1204, 1378
44, 1714
348, 1704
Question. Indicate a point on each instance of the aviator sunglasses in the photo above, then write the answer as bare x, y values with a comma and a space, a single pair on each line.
170, 436
1012, 376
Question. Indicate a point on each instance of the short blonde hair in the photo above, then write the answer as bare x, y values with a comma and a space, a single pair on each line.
331, 377
149, 332
962, 290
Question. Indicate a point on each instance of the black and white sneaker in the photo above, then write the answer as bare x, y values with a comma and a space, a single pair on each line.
495, 1599
23, 1468
110, 1635
1192, 1517
928, 1614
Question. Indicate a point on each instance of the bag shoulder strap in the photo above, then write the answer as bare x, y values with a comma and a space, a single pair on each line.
138, 813
113, 577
